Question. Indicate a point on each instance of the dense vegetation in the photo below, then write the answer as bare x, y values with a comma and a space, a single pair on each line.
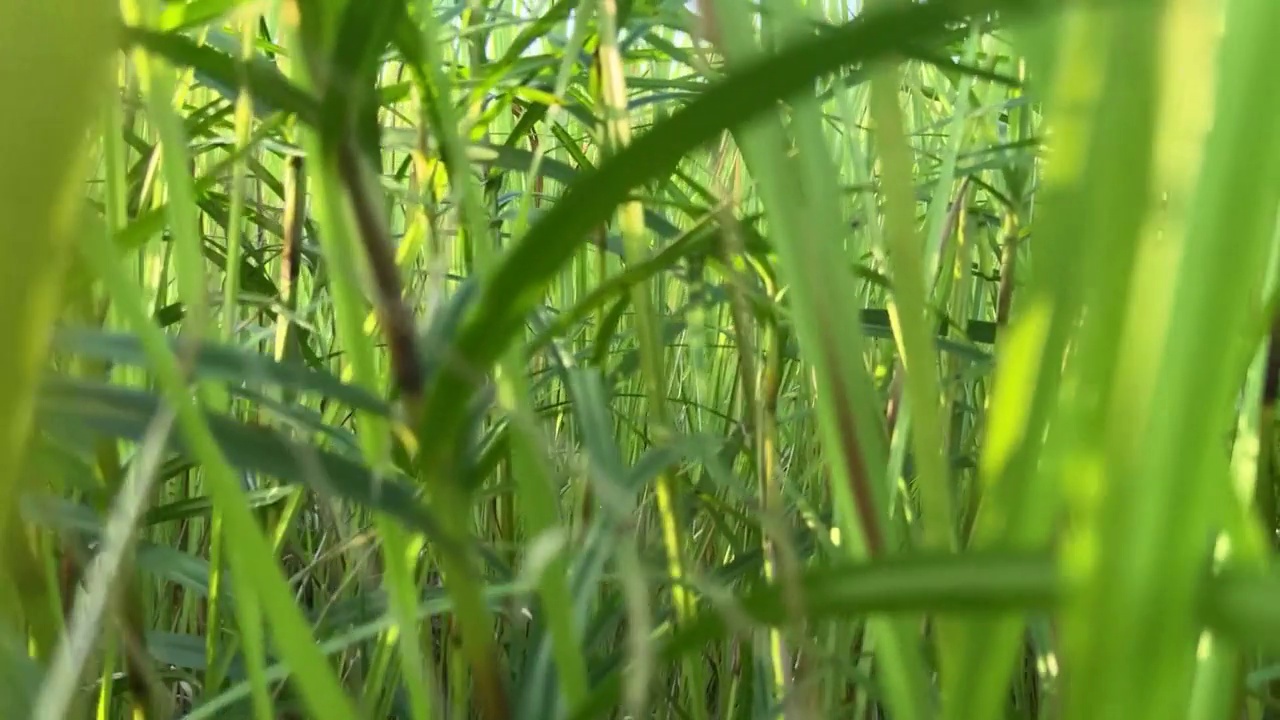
636, 358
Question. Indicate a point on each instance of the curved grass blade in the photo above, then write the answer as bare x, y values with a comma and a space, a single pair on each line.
271, 91
434, 603
215, 360
972, 583
68, 405
56, 67
513, 288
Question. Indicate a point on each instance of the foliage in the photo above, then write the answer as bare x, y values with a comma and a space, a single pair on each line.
584, 359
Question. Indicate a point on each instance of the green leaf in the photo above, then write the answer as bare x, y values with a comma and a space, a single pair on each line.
178, 16
968, 584
214, 360
349, 105
514, 287
271, 91
68, 408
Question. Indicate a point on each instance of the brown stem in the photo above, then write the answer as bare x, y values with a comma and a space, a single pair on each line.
393, 314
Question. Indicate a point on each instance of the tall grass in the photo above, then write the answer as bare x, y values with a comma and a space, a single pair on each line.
578, 359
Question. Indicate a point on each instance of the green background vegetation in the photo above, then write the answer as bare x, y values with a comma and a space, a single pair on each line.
638, 359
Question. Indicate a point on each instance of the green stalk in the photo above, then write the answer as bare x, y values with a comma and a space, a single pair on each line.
852, 432
230, 311
613, 97
319, 685
1145, 591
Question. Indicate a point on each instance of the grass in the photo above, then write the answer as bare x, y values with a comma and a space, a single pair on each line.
583, 359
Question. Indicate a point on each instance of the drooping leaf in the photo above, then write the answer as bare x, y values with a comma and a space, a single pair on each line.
214, 360
271, 91
69, 409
